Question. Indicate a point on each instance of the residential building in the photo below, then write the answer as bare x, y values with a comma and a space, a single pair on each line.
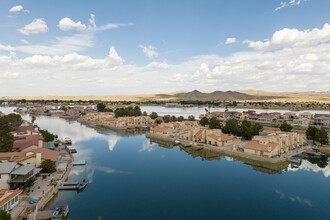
32, 157
14, 175
273, 144
9, 198
322, 121
29, 145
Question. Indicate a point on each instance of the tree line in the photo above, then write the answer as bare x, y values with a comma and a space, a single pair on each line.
245, 129
7, 124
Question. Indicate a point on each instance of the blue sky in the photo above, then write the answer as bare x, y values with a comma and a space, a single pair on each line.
162, 46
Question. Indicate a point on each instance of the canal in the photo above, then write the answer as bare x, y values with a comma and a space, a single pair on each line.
132, 177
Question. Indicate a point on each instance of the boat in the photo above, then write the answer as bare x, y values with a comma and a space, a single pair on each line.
177, 142
67, 140
299, 156
294, 160
201, 145
61, 208
81, 185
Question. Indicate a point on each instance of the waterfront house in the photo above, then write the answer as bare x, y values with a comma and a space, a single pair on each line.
161, 130
267, 149
29, 145
301, 122
32, 157
9, 198
273, 144
14, 175
322, 121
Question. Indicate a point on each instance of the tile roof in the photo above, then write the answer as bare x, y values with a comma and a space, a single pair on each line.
160, 129
6, 195
23, 145
26, 138
46, 154
255, 145
24, 128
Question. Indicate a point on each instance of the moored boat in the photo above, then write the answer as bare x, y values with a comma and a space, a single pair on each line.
61, 209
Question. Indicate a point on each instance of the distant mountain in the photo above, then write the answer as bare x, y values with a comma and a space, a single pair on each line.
213, 96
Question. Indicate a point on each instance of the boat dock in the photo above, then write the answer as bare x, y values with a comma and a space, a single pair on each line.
72, 150
72, 185
79, 163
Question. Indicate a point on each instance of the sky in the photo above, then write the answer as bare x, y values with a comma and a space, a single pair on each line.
87, 48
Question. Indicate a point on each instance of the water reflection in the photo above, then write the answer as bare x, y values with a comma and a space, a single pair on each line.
293, 198
312, 164
315, 165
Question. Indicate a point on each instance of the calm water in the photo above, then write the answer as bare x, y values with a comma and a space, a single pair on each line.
131, 178
197, 111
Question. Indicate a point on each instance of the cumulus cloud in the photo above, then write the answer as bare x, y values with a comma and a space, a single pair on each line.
231, 40
24, 41
8, 47
149, 51
158, 65
66, 24
16, 8
35, 27
62, 45
290, 3
293, 38
292, 68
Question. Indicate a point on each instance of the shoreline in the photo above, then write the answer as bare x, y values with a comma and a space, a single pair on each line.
222, 150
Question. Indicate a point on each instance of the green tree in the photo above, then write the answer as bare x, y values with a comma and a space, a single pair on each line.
13, 119
30, 182
145, 113
191, 118
232, 127
311, 133
4, 215
6, 139
100, 107
285, 127
173, 118
180, 118
33, 119
48, 137
48, 166
204, 121
166, 118
214, 123
153, 115
64, 108
322, 136
158, 121
137, 111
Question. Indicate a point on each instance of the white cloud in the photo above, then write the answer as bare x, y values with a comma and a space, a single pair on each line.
24, 41
149, 51
16, 8
62, 46
293, 68
8, 47
66, 24
293, 38
290, 3
158, 65
231, 40
35, 27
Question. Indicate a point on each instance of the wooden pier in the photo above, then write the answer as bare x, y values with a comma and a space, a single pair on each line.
79, 163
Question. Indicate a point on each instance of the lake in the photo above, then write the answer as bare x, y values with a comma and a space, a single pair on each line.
132, 177
197, 111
